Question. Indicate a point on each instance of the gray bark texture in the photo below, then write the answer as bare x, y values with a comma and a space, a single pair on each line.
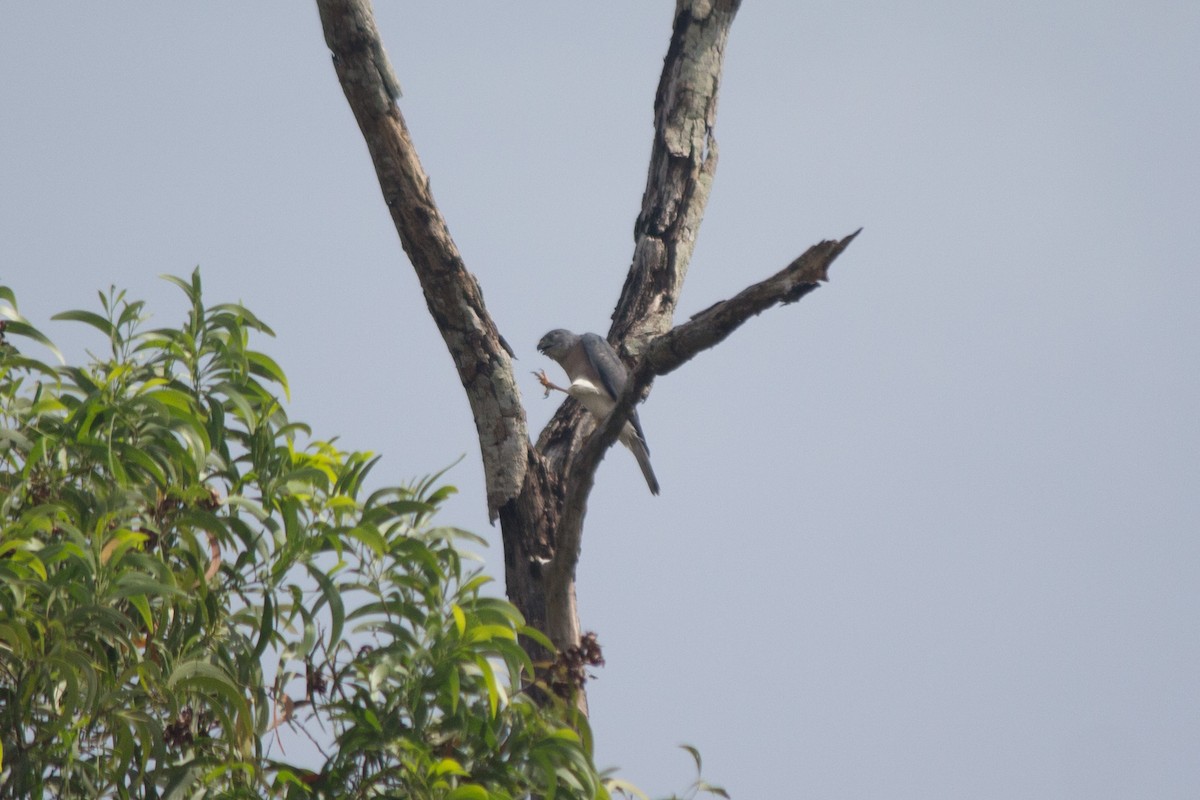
539, 492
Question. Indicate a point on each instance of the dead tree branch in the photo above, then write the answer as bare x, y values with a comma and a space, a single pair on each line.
683, 161
481, 356
519, 488
540, 493
712, 325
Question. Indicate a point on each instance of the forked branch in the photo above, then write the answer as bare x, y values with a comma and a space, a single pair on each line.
541, 515
667, 353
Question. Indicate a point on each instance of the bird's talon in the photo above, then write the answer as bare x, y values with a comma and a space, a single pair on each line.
544, 381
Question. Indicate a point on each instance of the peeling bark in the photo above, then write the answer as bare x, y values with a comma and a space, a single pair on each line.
683, 160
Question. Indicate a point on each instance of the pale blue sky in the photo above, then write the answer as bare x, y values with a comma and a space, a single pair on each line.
931, 533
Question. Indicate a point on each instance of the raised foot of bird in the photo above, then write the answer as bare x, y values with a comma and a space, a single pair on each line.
546, 384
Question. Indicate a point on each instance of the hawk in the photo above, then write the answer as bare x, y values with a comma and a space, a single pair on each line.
597, 379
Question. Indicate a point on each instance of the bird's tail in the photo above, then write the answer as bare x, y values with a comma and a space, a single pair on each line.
642, 454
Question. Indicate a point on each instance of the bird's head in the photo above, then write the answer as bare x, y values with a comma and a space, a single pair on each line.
556, 343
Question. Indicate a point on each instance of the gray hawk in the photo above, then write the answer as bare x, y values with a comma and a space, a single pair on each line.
597, 379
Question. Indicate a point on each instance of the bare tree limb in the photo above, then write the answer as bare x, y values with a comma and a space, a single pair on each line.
683, 160
481, 356
520, 490
712, 325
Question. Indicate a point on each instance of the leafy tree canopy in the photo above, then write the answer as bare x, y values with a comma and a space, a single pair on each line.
189, 593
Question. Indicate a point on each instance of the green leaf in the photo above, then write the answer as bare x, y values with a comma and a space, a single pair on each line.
695, 755
175, 399
497, 608
369, 536
468, 791
448, 766
17, 638
135, 583
537, 636
494, 689
184, 285
331, 595
625, 787
265, 367
473, 585
139, 602
454, 688
266, 625
89, 318
139, 458
204, 677
486, 633
27, 560
17, 326
705, 786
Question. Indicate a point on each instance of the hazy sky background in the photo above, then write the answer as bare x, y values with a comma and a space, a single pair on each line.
931, 533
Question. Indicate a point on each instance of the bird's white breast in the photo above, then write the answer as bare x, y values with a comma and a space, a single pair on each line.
594, 399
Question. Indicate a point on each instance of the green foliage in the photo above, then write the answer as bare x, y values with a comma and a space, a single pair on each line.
188, 593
